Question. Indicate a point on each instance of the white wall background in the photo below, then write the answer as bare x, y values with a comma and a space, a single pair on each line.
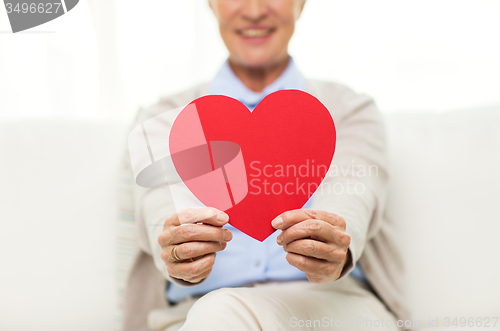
107, 58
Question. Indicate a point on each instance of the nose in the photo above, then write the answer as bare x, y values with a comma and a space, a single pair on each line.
254, 10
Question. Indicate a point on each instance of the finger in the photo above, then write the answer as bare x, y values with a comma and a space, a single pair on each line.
199, 232
191, 269
192, 250
310, 265
199, 278
315, 229
207, 215
317, 249
292, 217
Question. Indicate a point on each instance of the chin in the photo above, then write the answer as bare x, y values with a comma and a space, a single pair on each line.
257, 60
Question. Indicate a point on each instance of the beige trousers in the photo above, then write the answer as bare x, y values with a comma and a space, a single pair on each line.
299, 305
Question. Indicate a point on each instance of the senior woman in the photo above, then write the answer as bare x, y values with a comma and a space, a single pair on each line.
211, 276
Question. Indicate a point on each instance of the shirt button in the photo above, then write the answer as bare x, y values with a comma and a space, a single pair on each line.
257, 263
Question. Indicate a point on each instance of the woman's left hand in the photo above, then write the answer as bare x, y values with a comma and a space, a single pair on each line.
316, 242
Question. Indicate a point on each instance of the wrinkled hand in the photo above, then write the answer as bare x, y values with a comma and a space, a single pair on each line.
190, 240
316, 242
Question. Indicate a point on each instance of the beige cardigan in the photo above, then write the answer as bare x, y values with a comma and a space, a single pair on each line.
361, 143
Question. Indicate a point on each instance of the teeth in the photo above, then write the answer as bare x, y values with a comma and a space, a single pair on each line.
255, 33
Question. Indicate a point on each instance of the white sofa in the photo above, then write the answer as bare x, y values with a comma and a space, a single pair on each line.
57, 237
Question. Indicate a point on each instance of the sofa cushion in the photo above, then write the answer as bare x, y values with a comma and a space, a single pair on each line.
57, 243
445, 194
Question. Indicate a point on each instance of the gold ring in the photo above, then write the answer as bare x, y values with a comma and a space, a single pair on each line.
174, 254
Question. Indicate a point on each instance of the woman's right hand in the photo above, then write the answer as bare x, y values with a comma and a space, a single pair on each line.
190, 240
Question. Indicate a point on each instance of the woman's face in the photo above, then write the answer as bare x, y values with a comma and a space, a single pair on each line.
257, 32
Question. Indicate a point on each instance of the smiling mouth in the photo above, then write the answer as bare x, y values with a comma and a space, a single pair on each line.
255, 33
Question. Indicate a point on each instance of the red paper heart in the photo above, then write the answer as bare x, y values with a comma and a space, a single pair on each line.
226, 154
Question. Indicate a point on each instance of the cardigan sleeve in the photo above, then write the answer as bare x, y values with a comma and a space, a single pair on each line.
153, 205
356, 184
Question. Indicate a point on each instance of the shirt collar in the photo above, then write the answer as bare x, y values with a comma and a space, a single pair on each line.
226, 83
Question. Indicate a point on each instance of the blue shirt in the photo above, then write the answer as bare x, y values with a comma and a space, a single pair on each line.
246, 260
